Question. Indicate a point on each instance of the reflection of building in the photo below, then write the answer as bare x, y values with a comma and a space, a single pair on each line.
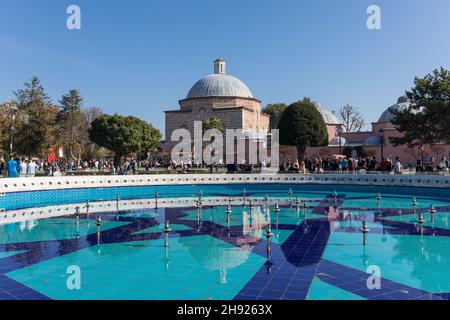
218, 95
255, 221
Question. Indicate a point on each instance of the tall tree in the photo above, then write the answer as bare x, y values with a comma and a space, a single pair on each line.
6, 123
89, 148
274, 110
351, 118
427, 120
124, 135
71, 124
301, 125
212, 123
35, 133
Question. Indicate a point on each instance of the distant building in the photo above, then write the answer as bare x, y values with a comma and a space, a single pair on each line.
226, 97
371, 141
218, 95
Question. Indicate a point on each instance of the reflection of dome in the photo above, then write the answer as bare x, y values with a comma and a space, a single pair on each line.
372, 140
403, 103
219, 84
217, 255
329, 117
335, 141
254, 134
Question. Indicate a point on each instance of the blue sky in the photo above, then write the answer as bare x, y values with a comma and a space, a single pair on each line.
141, 56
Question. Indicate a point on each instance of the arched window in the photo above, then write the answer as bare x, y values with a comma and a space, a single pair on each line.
202, 114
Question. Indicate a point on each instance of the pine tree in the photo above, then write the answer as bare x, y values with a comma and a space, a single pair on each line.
35, 131
427, 120
71, 124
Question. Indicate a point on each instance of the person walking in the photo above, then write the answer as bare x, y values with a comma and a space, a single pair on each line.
31, 168
398, 168
2, 167
23, 167
12, 168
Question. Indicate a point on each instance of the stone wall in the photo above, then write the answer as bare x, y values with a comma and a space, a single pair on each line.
235, 113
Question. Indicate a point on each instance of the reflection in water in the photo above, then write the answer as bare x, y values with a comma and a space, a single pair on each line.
365, 256
426, 257
217, 256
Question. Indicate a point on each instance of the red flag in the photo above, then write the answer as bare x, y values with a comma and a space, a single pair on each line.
51, 155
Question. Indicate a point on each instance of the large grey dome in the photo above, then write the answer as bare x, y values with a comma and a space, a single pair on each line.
219, 84
403, 103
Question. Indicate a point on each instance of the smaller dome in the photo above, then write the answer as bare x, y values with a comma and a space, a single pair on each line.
254, 134
402, 104
372, 140
335, 141
329, 117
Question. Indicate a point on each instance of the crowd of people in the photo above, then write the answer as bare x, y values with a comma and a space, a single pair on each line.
29, 167
361, 164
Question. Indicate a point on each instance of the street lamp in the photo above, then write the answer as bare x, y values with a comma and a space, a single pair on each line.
381, 133
13, 109
340, 131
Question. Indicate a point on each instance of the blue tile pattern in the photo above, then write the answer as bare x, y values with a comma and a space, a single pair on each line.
300, 263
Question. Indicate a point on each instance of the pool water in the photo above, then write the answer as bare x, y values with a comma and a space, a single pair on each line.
316, 252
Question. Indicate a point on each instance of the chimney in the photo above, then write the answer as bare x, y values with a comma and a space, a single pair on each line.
219, 66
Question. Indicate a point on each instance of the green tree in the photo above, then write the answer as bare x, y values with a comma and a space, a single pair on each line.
71, 126
427, 120
212, 123
302, 125
89, 148
6, 122
274, 110
124, 135
35, 131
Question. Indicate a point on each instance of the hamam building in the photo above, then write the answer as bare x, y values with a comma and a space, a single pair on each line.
218, 95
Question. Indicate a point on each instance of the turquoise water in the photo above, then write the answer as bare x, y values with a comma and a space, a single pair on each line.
317, 254
51, 229
417, 261
198, 267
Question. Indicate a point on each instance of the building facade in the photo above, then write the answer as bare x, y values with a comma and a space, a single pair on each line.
218, 95
377, 144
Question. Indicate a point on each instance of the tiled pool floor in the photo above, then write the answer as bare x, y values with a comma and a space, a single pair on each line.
315, 253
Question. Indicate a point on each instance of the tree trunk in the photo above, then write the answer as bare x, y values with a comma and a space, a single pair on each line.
300, 153
117, 160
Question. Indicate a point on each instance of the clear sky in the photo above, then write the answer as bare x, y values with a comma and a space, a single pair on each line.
140, 57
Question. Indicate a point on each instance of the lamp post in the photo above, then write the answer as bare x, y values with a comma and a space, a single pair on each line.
381, 133
339, 131
13, 120
422, 158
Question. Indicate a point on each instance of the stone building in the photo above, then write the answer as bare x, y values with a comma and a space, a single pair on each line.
218, 95
376, 141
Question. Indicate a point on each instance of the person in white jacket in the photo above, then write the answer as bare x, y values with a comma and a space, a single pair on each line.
23, 167
31, 168
398, 168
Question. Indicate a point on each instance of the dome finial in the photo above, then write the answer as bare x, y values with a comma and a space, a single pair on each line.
219, 66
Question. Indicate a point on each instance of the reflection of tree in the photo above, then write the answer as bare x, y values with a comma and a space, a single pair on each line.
45, 237
420, 252
313, 239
